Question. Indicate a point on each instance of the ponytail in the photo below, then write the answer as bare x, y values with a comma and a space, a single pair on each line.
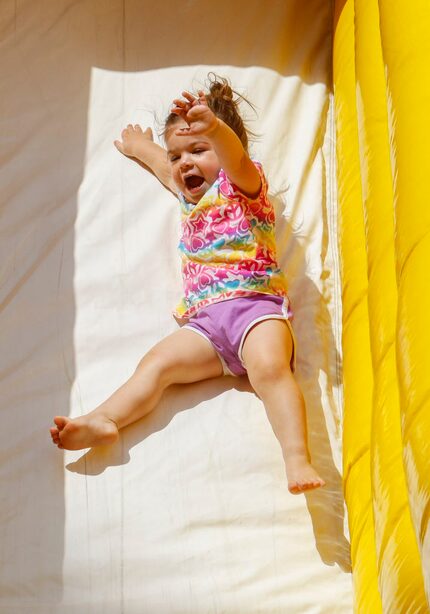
222, 103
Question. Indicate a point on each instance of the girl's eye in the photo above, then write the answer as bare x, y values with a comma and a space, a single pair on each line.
174, 158
198, 151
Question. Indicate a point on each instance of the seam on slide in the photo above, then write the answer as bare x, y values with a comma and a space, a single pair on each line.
332, 217
123, 461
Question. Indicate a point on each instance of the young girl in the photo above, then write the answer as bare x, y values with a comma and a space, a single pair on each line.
235, 304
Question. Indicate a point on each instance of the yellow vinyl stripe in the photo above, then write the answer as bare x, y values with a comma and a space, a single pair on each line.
358, 382
398, 560
405, 39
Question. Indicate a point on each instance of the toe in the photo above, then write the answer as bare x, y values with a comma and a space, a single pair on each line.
61, 422
316, 483
294, 488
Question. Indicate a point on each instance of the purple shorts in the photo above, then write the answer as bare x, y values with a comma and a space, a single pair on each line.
226, 324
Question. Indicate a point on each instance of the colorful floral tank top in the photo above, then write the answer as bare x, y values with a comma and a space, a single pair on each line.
227, 246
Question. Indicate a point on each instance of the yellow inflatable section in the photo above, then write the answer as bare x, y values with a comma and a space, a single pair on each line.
382, 98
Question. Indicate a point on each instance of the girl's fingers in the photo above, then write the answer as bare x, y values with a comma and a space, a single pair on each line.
131, 128
189, 96
190, 102
148, 133
187, 109
177, 111
195, 100
178, 107
181, 103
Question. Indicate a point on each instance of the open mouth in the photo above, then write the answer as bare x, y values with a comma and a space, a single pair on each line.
193, 182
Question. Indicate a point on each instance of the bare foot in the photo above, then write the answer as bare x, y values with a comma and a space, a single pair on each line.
301, 475
86, 432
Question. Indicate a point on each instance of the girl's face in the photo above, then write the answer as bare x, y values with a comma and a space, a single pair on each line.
194, 163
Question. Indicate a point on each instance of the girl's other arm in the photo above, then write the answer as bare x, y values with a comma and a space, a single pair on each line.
234, 159
232, 156
138, 145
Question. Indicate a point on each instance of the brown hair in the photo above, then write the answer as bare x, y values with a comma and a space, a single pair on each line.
222, 103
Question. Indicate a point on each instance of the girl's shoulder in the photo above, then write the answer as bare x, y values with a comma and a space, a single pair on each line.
230, 190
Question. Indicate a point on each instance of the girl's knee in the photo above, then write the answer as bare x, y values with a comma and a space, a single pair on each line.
268, 371
157, 366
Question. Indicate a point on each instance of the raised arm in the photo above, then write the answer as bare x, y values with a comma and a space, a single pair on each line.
232, 156
138, 145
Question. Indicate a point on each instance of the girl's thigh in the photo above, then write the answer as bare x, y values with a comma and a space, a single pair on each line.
268, 347
183, 357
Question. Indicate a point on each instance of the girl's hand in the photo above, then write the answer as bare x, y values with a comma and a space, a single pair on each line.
132, 137
196, 113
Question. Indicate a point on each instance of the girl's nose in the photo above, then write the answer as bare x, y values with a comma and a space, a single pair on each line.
186, 161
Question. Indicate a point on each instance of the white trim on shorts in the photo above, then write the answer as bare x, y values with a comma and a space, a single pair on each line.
225, 369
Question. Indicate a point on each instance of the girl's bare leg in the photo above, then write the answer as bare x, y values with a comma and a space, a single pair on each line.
267, 353
182, 357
